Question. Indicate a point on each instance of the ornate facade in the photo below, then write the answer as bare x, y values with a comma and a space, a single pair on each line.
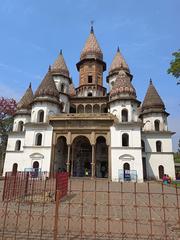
87, 131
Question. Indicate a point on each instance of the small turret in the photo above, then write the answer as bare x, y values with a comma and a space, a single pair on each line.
153, 112
91, 48
91, 67
23, 111
118, 64
122, 88
59, 67
26, 100
152, 101
46, 100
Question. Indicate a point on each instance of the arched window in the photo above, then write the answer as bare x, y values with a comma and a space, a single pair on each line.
38, 139
143, 146
18, 145
20, 126
161, 171
158, 146
88, 108
104, 108
124, 115
14, 168
125, 140
80, 109
126, 168
41, 116
157, 125
62, 87
89, 94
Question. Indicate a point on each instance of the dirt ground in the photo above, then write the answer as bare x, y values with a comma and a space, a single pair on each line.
96, 210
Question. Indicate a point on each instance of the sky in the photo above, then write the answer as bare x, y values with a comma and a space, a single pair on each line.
147, 33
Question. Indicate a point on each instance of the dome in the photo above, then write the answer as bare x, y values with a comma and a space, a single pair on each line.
122, 87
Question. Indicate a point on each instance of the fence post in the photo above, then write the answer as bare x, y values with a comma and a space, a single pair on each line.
5, 187
26, 184
56, 215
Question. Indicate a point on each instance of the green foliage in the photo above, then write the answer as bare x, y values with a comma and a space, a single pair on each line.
175, 66
177, 157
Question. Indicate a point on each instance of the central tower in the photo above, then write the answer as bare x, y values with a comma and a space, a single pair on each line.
91, 67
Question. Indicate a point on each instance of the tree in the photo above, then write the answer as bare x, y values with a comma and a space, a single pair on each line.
175, 66
7, 110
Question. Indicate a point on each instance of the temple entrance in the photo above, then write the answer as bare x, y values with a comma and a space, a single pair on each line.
126, 169
61, 152
81, 157
35, 169
101, 155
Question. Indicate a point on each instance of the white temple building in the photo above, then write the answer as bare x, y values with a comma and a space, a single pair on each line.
88, 131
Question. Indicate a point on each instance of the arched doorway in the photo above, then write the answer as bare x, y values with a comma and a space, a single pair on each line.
161, 172
126, 170
61, 153
35, 169
14, 168
82, 157
101, 153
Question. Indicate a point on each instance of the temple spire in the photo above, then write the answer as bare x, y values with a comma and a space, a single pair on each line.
91, 48
118, 63
92, 29
59, 66
152, 99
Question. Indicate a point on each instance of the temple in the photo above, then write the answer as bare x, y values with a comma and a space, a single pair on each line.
89, 131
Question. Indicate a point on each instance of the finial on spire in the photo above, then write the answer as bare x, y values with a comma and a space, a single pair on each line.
60, 52
30, 85
92, 29
118, 49
49, 69
150, 81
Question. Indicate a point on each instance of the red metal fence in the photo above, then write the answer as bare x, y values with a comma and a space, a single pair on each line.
95, 210
62, 183
26, 186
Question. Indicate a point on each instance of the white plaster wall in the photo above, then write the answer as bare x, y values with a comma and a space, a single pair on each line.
148, 121
150, 142
134, 149
12, 141
134, 135
116, 108
59, 80
65, 99
153, 161
31, 133
48, 108
18, 118
117, 164
24, 160
112, 80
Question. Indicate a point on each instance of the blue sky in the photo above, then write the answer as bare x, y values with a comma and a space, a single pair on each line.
147, 32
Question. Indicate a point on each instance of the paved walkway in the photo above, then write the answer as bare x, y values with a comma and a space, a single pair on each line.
97, 210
